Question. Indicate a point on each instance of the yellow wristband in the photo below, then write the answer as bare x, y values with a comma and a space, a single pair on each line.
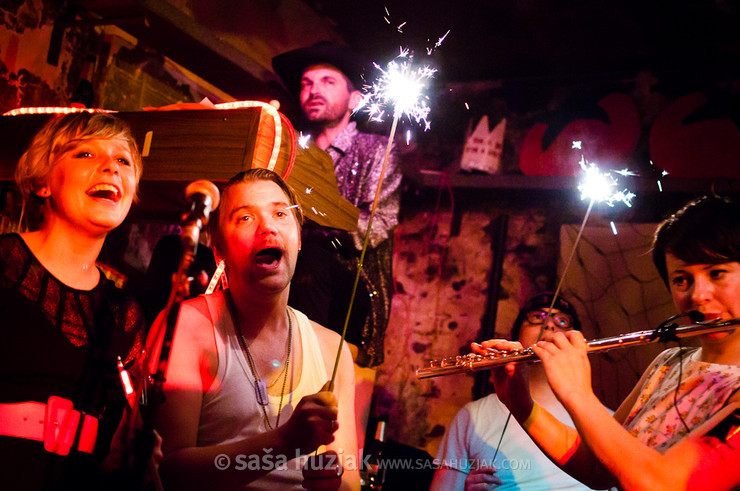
532, 415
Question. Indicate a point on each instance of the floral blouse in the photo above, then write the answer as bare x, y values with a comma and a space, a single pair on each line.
705, 389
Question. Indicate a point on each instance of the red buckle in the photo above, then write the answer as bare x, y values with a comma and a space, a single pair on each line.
56, 423
60, 426
88, 434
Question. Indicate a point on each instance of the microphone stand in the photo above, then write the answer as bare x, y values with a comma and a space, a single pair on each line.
149, 383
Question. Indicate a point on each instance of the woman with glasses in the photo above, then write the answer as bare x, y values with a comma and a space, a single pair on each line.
679, 428
466, 455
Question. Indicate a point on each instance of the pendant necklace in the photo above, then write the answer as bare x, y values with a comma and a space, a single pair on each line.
260, 387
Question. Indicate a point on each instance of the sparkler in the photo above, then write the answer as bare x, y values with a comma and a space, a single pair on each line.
598, 187
400, 86
662, 173
303, 140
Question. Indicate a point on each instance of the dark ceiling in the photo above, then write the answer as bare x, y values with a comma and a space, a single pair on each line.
494, 39
487, 40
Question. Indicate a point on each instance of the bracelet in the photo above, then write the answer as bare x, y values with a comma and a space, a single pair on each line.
563, 459
532, 415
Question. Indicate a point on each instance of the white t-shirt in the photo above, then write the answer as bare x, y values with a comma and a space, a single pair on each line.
471, 442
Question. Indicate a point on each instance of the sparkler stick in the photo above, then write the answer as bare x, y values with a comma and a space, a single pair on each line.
401, 85
567, 264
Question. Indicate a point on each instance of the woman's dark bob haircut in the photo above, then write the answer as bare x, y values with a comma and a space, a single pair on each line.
705, 231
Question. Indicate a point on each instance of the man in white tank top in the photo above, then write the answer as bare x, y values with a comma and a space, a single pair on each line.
246, 388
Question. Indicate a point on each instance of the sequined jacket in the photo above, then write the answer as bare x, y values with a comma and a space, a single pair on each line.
358, 161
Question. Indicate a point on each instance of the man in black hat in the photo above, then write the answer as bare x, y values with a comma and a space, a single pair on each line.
327, 79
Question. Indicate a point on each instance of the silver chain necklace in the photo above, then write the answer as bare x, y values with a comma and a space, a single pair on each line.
260, 388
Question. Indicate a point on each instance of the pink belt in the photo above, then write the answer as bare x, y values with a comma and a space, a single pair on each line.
55, 423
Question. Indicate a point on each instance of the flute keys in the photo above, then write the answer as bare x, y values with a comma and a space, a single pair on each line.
469, 360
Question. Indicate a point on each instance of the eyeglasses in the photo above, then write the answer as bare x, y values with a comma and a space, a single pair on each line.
560, 319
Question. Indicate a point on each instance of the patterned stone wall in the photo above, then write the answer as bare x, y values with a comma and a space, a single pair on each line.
442, 283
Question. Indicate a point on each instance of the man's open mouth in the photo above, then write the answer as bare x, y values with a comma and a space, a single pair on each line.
104, 191
269, 256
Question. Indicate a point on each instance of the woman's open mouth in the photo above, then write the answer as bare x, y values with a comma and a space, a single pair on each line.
105, 191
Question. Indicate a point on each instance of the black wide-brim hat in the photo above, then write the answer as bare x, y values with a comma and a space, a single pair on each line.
290, 65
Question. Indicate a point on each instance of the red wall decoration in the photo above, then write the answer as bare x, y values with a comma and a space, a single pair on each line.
685, 144
607, 143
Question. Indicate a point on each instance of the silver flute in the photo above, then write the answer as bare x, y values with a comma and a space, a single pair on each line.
474, 362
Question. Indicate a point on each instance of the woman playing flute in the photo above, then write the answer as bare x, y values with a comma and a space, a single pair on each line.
678, 428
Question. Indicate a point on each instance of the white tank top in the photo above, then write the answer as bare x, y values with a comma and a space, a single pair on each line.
230, 411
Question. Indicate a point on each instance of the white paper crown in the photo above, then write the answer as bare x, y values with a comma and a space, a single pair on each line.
483, 149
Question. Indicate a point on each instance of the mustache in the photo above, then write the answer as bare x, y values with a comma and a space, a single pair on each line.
315, 98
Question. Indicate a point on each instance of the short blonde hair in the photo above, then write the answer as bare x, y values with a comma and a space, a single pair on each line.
53, 139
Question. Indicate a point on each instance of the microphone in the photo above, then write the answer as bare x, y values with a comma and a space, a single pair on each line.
666, 331
203, 197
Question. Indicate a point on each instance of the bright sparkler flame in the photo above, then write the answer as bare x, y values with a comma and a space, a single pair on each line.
402, 86
303, 140
601, 187
439, 42
442, 39
626, 173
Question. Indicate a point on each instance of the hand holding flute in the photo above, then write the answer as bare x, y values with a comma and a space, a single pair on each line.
512, 381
